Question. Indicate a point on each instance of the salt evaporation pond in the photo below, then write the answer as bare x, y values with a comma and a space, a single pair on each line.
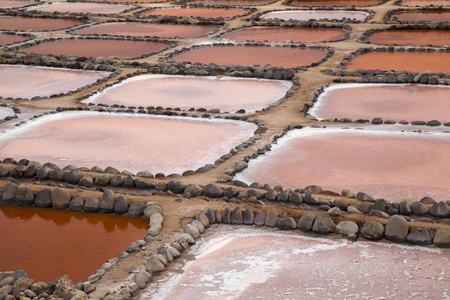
49, 243
225, 93
6, 39
386, 164
83, 8
282, 34
276, 56
410, 102
231, 2
6, 112
105, 48
198, 12
126, 142
410, 36
232, 262
432, 16
425, 2
305, 15
13, 4
419, 61
148, 29
346, 3
30, 81
35, 24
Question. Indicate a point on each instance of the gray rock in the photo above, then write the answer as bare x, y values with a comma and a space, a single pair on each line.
380, 204
154, 265
296, 198
313, 189
404, 208
44, 198
30, 172
271, 195
121, 205
76, 204
372, 230
21, 284
136, 209
24, 196
396, 229
92, 204
236, 216
9, 192
347, 227
226, 216
43, 172
442, 238
428, 200
129, 182
194, 190
177, 186
7, 281
271, 218
167, 255
133, 246
440, 210
63, 286
211, 216
260, 218
60, 199
57, 175
115, 296
175, 253
365, 207
73, 177
152, 209
255, 193
248, 217
334, 211
200, 216
107, 202
144, 183
19, 274
218, 216
212, 191
311, 199
323, 225
123, 255
286, 224
364, 197
419, 209
199, 226
353, 210
305, 223
379, 214
284, 196
419, 236
192, 231
4, 171
42, 287
116, 180
86, 181
102, 180
133, 288
98, 294
230, 192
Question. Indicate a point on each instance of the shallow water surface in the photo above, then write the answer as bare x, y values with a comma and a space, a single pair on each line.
5, 112
305, 15
414, 37
346, 3
83, 8
197, 12
6, 39
35, 24
425, 2
231, 2
13, 4
433, 16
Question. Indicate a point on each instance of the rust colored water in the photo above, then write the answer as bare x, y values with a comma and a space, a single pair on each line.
197, 12
12, 4
305, 15
227, 94
251, 263
105, 48
36, 24
419, 61
134, 143
131, 1
47, 243
84, 8
275, 34
433, 16
143, 29
232, 2
31, 81
6, 39
414, 37
389, 165
346, 3
5, 112
276, 56
425, 2
391, 102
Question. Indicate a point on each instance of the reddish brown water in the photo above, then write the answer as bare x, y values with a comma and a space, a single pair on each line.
47, 243
125, 142
6, 39
30, 81
232, 2
249, 263
12, 4
227, 94
346, 3
419, 61
84, 8
425, 2
391, 102
142, 29
433, 16
305, 15
105, 48
197, 12
274, 34
19, 23
131, 1
414, 37
276, 56
390, 165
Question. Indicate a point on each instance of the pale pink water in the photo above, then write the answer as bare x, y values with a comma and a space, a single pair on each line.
12, 4
390, 165
419, 61
5, 112
185, 92
276, 56
391, 102
134, 143
31, 81
411, 36
306, 15
249, 263
6, 39
36, 24
197, 12
143, 29
433, 16
105, 48
346, 3
231, 2
274, 34
425, 2
83, 8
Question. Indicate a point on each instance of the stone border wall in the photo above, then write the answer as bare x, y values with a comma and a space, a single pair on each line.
16, 111
388, 15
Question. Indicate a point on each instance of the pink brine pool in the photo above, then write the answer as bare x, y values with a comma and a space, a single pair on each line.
425, 2
145, 29
432, 16
346, 3
226, 94
414, 37
35, 24
6, 112
197, 12
397, 102
231, 2
134, 143
83, 8
305, 15
251, 263
6, 39
30, 81
383, 164
274, 34
276, 56
13, 4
